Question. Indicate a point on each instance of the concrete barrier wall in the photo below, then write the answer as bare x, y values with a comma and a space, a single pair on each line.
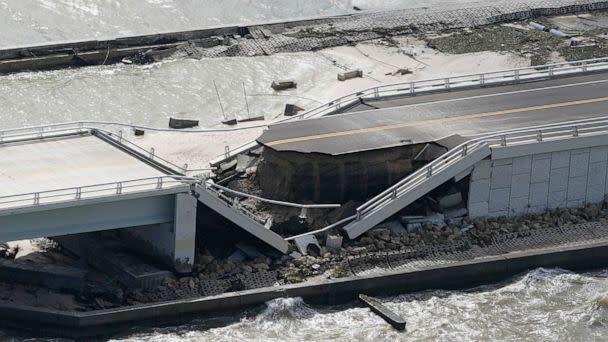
562, 176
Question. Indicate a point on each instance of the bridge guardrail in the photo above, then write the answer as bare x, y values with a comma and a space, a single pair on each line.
531, 135
93, 191
40, 132
455, 82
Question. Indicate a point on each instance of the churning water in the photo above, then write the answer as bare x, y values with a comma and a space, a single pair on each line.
542, 305
29, 22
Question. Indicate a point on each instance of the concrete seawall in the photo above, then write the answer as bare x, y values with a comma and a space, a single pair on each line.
454, 276
267, 38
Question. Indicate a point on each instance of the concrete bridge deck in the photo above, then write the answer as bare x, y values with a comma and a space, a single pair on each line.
420, 119
70, 162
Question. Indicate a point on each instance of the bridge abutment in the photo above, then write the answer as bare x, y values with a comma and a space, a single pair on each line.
531, 179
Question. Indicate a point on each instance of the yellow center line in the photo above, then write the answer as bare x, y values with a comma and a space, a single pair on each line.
435, 121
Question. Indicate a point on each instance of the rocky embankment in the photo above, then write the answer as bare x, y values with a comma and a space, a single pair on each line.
296, 268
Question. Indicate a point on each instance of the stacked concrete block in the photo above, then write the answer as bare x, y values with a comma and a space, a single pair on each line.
558, 179
479, 191
535, 183
596, 181
539, 183
577, 180
500, 187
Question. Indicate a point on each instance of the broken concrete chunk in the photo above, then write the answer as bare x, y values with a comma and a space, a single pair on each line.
436, 219
395, 227
303, 242
252, 118
455, 213
249, 250
230, 122
266, 33
244, 161
347, 75
182, 123
237, 256
283, 85
295, 255
451, 200
291, 110
228, 165
413, 227
333, 242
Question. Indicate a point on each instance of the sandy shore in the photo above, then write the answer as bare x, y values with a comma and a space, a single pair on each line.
380, 62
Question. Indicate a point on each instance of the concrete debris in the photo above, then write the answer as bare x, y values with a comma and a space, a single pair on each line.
283, 85
581, 42
243, 162
558, 33
401, 71
451, 200
249, 250
395, 227
226, 41
350, 74
252, 118
228, 166
437, 220
333, 242
413, 227
304, 242
292, 109
266, 33
182, 123
536, 26
230, 122
295, 255
455, 213
237, 256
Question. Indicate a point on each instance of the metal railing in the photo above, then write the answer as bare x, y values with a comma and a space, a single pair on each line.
460, 81
79, 193
221, 190
411, 88
530, 135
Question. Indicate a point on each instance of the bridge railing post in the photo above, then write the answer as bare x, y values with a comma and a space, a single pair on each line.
119, 188
503, 140
539, 136
465, 148
152, 153
429, 171
37, 198
358, 215
159, 183
517, 75
575, 131
412, 88
78, 193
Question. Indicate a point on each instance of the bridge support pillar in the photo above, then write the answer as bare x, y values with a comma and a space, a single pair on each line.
172, 243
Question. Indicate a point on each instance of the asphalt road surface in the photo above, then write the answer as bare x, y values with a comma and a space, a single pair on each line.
421, 119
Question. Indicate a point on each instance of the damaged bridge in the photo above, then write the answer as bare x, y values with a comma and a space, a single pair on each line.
523, 147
